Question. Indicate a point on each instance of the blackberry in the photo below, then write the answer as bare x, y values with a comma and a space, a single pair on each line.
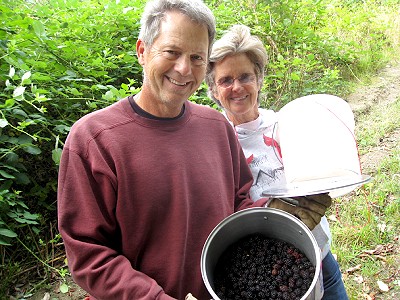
288, 272
304, 274
299, 282
277, 266
285, 296
291, 282
257, 267
296, 276
278, 279
261, 295
283, 288
295, 269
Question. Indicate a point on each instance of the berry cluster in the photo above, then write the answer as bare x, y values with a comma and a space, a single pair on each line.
258, 267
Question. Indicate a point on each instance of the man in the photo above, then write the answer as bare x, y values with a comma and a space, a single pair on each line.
144, 181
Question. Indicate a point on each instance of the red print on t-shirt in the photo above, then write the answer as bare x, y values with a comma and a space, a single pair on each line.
250, 159
271, 142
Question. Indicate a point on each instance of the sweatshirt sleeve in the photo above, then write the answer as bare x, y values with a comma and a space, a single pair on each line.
245, 181
86, 201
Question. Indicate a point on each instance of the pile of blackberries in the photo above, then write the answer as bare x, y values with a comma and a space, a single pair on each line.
259, 267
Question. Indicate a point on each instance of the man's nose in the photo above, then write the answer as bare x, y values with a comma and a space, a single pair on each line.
183, 65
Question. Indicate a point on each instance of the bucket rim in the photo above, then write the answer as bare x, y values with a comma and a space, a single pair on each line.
267, 210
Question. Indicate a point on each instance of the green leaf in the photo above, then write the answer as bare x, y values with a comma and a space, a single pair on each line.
295, 76
297, 61
6, 175
41, 77
24, 139
25, 221
4, 243
75, 92
8, 103
8, 233
56, 155
22, 178
11, 157
39, 29
19, 112
64, 288
109, 95
30, 216
62, 128
32, 149
287, 22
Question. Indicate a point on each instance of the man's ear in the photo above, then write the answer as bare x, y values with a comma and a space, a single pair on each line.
140, 51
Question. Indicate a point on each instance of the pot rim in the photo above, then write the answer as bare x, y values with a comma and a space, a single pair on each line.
303, 229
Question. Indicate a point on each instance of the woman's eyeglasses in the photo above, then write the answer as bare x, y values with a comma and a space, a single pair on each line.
227, 82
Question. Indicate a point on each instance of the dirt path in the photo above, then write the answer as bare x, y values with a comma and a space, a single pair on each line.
384, 89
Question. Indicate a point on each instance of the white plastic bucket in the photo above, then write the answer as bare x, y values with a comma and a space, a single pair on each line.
316, 136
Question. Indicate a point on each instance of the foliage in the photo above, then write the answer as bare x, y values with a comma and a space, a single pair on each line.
60, 60
315, 46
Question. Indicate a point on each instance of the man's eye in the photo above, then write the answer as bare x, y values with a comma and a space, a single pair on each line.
170, 54
198, 60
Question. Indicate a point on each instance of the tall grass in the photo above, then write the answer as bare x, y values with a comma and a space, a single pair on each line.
371, 30
366, 223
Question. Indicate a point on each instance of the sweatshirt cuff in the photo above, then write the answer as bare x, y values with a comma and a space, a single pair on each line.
268, 202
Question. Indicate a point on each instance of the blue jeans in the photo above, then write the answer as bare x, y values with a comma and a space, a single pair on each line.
333, 284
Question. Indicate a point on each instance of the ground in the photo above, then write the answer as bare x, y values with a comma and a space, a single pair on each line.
384, 89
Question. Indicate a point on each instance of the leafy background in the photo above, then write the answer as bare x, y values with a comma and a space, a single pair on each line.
60, 60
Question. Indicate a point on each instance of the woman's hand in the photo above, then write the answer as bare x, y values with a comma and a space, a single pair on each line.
309, 209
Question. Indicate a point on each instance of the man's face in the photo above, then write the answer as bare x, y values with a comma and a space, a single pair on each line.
174, 66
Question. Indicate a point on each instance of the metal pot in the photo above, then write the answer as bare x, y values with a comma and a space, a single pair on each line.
271, 222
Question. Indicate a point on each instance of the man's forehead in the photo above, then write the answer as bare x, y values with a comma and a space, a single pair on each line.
193, 36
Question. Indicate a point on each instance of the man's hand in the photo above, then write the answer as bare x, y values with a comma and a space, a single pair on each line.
310, 209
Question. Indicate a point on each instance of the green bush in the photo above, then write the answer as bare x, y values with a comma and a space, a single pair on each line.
59, 61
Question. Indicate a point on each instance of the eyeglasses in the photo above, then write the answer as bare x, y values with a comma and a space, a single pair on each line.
227, 82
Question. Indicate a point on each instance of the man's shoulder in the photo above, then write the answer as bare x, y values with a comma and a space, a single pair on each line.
91, 125
205, 111
104, 116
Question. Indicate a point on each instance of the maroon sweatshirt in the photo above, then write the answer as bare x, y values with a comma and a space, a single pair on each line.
137, 198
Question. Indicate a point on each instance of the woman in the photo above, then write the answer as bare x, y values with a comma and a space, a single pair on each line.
235, 75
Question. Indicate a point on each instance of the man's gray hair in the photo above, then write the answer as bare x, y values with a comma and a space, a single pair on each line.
237, 40
155, 11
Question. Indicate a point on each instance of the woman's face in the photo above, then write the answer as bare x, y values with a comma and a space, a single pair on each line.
237, 88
